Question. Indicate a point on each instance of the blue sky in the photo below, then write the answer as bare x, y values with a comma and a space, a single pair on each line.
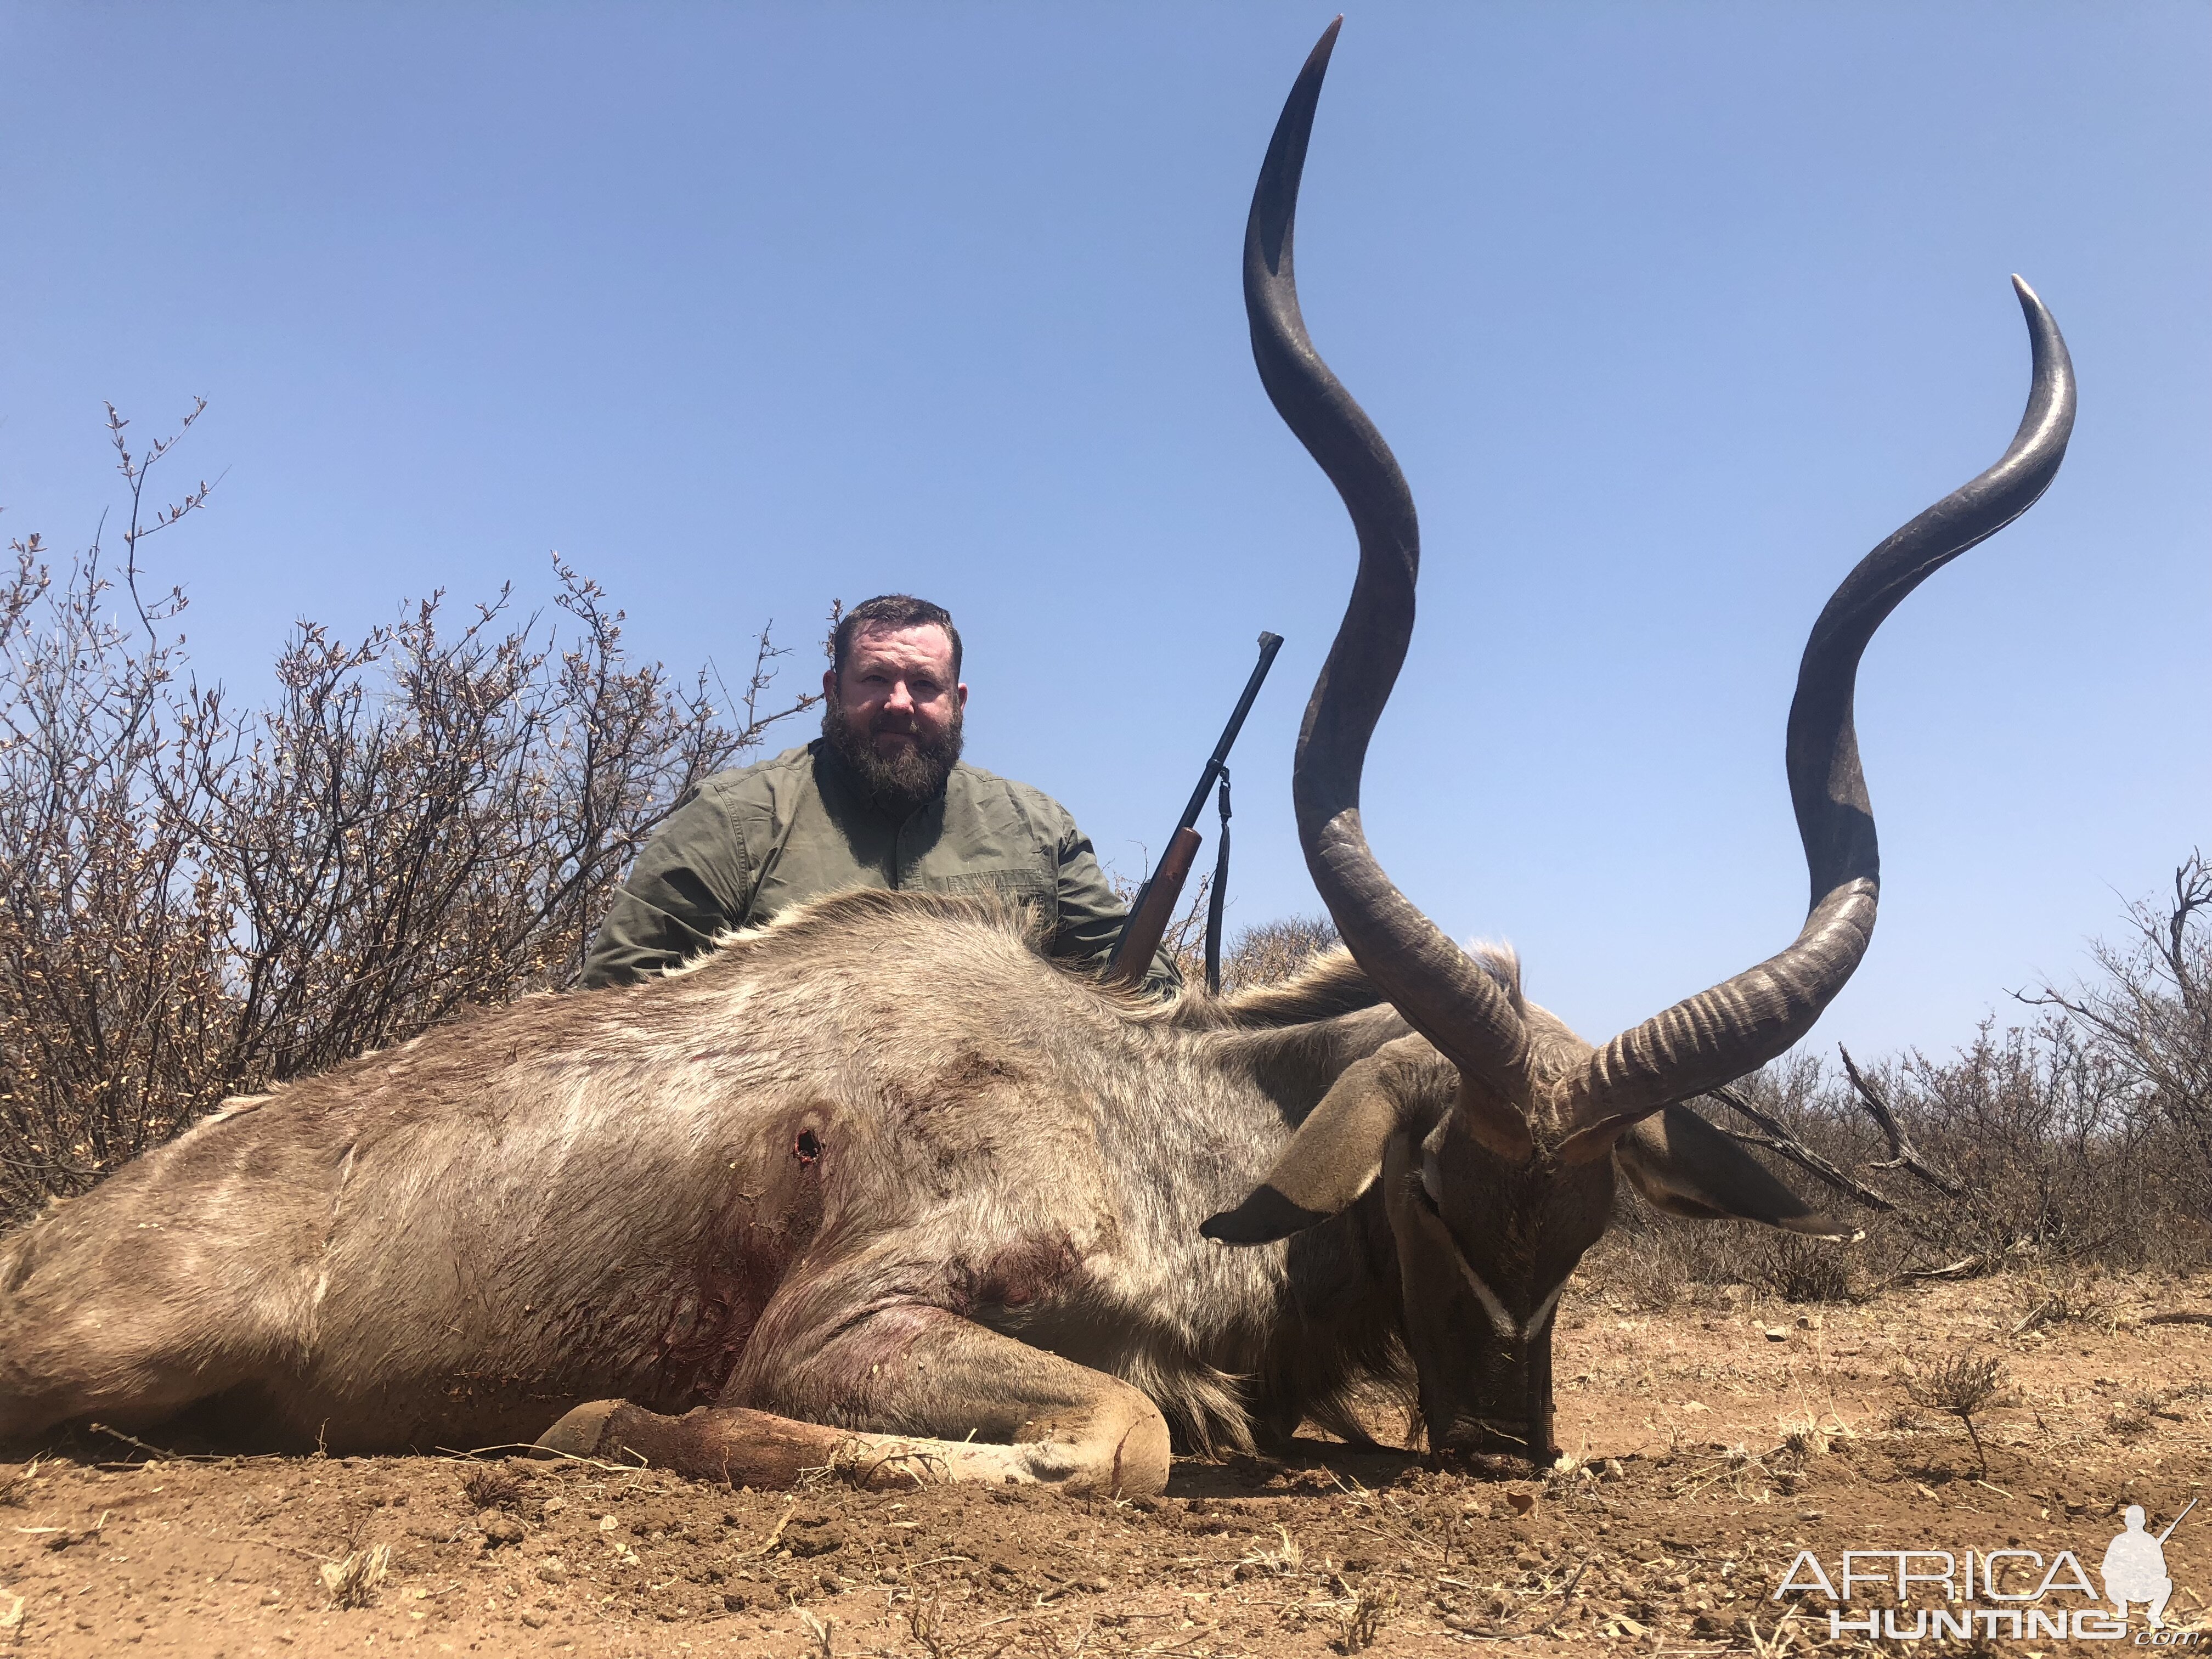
1669, 310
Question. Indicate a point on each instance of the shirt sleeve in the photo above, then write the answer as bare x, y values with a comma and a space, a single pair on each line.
691, 884
1092, 917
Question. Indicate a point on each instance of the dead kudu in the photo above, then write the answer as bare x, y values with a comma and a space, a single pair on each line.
880, 1188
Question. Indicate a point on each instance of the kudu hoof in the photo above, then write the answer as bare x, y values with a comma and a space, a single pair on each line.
578, 1434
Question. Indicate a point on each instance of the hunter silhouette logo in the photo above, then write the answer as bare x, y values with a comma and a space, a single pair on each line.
2134, 1566
1984, 1595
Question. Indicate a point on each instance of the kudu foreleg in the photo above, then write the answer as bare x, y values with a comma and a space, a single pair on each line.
949, 1400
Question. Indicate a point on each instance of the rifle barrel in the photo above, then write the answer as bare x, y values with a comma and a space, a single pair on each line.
1269, 644
2176, 1520
1148, 917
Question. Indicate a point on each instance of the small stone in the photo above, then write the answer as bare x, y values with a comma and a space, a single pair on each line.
552, 1569
1775, 1333
535, 1621
499, 1528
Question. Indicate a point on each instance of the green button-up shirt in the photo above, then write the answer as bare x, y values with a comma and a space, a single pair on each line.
759, 838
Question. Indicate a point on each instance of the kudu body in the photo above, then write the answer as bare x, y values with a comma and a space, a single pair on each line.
880, 1186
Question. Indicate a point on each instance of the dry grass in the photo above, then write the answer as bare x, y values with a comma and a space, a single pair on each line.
2047, 1300
1363, 1619
1962, 1387
1283, 1562
925, 1622
1806, 1438
2131, 1419
353, 1581
488, 1486
1806, 1270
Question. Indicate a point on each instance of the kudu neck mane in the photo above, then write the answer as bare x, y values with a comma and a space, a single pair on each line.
1330, 984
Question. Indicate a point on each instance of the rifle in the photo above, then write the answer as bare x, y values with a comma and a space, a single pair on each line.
2176, 1522
1156, 900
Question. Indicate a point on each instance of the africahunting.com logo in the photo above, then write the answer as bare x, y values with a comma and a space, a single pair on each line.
1986, 1595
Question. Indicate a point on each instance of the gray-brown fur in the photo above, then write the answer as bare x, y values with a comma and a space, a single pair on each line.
609, 1195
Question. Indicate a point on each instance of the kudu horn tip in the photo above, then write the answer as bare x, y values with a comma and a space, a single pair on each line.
2030, 302
2049, 345
1317, 60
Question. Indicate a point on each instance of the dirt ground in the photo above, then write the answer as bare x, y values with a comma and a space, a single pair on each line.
1707, 1446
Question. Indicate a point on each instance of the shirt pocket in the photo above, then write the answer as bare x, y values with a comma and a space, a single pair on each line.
1020, 888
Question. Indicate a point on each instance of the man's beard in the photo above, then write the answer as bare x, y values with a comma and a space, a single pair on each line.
907, 779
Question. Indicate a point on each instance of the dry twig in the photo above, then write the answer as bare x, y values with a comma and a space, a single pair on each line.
1903, 1154
1777, 1139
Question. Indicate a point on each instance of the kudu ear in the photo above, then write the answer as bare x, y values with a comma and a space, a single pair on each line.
1685, 1166
1337, 1152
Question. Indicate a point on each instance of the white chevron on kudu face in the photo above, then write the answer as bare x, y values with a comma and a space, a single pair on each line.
1502, 1322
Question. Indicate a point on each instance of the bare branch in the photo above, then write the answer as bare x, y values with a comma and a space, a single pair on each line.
1903, 1154
1777, 1139
135, 470
198, 899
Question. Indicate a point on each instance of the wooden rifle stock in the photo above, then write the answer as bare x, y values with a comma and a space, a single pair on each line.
1154, 910
1148, 923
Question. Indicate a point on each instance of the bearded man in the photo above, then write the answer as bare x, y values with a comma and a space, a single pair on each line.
881, 799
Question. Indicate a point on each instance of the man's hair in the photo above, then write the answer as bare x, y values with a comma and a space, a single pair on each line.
891, 610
